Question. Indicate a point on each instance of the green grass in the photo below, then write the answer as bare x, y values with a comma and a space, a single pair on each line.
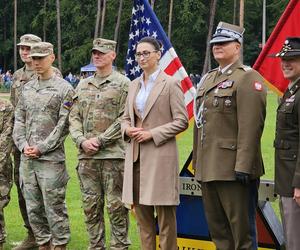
79, 239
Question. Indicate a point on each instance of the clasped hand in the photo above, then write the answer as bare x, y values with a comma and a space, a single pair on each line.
32, 151
90, 146
138, 134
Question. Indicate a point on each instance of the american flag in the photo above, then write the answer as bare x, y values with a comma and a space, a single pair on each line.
145, 23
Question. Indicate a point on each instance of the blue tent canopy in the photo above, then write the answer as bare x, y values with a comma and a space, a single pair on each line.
88, 68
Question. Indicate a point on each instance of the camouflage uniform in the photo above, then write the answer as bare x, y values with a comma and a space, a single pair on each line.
20, 78
96, 112
41, 119
6, 127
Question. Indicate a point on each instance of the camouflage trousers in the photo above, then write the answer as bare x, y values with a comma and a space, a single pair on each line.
44, 188
100, 179
5, 186
21, 200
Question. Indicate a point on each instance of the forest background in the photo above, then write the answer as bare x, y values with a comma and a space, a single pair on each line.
71, 25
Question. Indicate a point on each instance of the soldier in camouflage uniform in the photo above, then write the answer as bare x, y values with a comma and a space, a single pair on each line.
20, 78
41, 126
95, 128
6, 127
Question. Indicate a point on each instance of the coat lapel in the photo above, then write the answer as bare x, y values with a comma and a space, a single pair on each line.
135, 87
215, 79
155, 92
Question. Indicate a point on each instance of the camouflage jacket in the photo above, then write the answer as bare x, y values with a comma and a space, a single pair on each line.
6, 128
97, 111
20, 78
41, 117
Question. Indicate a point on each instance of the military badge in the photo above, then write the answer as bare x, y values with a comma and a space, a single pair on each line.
258, 86
291, 99
225, 84
227, 103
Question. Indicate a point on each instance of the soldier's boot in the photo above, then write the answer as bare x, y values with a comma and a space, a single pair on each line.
28, 243
60, 247
46, 246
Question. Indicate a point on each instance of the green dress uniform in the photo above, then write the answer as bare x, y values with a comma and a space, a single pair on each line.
230, 109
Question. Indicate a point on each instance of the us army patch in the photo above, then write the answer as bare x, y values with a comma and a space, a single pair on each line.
258, 86
225, 84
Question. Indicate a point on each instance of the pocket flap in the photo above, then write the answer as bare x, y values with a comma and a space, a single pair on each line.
228, 144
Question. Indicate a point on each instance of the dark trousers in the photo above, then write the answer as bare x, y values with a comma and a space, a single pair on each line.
230, 209
145, 216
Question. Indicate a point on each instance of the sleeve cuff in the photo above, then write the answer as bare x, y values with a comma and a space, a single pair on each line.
80, 140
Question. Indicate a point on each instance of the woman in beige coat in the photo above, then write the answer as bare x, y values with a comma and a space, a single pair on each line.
154, 114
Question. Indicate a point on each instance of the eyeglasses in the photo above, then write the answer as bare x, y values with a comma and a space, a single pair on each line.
145, 54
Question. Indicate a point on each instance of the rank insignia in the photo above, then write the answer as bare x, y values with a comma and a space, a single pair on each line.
225, 84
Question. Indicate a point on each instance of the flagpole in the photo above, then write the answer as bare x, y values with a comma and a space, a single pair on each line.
264, 25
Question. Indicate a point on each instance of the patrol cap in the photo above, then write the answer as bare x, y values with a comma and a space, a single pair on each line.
290, 48
104, 45
41, 49
29, 40
227, 32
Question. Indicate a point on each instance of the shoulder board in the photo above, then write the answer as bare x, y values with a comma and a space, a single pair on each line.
246, 68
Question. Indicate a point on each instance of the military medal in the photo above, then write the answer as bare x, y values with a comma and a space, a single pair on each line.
225, 85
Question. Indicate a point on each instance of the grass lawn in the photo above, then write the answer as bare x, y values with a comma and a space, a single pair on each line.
79, 239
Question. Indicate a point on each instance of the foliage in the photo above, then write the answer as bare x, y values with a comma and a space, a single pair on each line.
189, 27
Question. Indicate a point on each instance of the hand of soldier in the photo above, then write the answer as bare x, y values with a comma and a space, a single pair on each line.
130, 130
32, 152
297, 195
90, 147
142, 136
243, 178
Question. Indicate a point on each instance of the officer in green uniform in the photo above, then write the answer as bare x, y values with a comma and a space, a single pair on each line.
95, 128
230, 107
6, 127
41, 126
287, 138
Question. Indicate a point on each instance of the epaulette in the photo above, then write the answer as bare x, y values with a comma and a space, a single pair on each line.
246, 68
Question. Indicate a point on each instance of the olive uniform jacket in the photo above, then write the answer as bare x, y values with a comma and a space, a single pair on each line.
287, 151
233, 114
165, 116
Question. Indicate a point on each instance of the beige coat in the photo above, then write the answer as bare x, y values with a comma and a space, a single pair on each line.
165, 116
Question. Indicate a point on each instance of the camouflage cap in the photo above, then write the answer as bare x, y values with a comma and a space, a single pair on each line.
29, 40
227, 32
41, 49
104, 45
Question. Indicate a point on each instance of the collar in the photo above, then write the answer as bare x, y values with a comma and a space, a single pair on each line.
223, 70
152, 77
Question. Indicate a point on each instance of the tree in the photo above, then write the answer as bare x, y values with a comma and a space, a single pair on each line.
117, 28
170, 18
152, 4
212, 14
103, 18
58, 34
15, 34
97, 19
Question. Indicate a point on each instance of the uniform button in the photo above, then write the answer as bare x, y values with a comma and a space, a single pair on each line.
232, 146
205, 109
294, 156
204, 121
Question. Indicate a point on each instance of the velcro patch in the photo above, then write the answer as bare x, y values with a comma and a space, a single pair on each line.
68, 105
